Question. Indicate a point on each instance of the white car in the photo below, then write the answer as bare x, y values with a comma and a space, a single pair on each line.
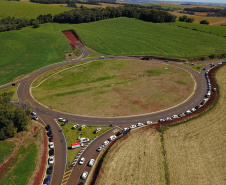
51, 160
125, 129
148, 123
139, 124
193, 109
35, 118
51, 145
81, 161
168, 119
161, 120
33, 113
62, 119
105, 142
132, 126
84, 175
188, 112
174, 116
91, 162
112, 138
219, 63
100, 148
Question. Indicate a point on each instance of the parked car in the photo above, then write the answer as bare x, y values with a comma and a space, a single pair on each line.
125, 129
214, 89
48, 127
61, 119
49, 170
35, 118
51, 145
100, 148
161, 120
91, 162
203, 102
112, 138
174, 116
82, 127
188, 112
82, 160
132, 126
119, 133
193, 109
197, 106
51, 152
148, 123
75, 126
51, 139
140, 124
97, 130
181, 114
102, 57
51, 160
84, 175
47, 180
33, 113
84, 140
105, 142
49, 134
168, 119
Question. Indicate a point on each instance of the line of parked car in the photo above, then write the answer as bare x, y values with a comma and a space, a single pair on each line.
35, 117
51, 155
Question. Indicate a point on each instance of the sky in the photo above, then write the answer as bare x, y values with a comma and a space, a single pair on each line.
201, 1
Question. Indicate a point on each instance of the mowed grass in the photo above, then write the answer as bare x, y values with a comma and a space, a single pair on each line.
73, 134
197, 67
135, 160
6, 148
196, 149
111, 88
19, 9
11, 89
23, 166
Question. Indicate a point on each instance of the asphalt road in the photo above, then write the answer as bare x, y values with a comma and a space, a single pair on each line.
48, 115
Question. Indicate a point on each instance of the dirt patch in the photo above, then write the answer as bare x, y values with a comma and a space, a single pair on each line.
73, 38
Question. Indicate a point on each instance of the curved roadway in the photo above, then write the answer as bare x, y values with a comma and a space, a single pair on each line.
48, 115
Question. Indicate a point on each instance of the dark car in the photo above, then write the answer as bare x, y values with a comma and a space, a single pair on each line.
49, 170
197, 106
47, 180
203, 102
81, 183
48, 127
50, 133
118, 133
51, 152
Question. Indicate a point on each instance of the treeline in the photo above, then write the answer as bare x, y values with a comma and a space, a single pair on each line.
11, 23
12, 119
186, 19
202, 9
222, 13
95, 14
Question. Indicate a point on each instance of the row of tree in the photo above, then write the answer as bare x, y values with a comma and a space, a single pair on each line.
221, 13
12, 119
202, 9
95, 14
186, 19
11, 23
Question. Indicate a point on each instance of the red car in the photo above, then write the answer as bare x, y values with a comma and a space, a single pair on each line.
51, 139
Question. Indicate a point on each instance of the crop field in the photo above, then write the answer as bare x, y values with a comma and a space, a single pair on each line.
24, 164
29, 49
135, 160
197, 19
6, 148
196, 149
73, 134
19, 9
115, 88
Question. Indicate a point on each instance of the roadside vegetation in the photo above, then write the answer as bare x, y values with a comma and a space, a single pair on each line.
10, 89
73, 135
189, 153
197, 67
6, 148
111, 88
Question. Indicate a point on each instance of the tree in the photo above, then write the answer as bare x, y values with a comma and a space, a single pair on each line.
204, 22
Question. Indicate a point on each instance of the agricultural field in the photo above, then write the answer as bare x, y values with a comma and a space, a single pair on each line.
31, 49
198, 18
72, 136
135, 160
19, 9
6, 148
111, 88
196, 149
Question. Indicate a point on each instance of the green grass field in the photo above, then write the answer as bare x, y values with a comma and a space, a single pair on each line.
6, 148
197, 67
29, 49
19, 9
73, 134
22, 166
109, 88
13, 89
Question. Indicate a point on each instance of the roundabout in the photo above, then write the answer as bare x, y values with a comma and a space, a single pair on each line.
48, 116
